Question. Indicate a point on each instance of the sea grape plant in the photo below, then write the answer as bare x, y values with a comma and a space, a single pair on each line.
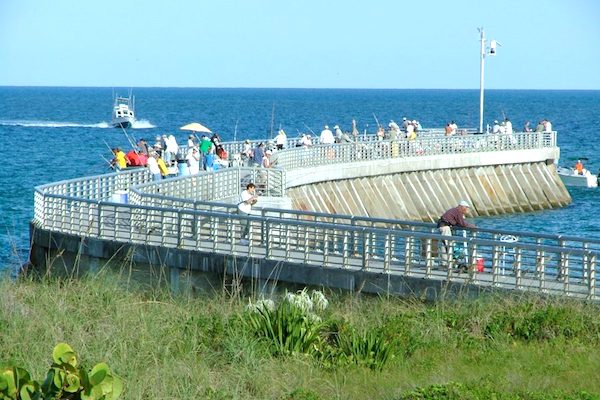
64, 380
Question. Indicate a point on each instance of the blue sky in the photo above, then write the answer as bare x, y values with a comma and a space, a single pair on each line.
550, 44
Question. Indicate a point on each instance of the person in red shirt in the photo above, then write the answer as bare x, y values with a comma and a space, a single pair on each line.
454, 217
134, 158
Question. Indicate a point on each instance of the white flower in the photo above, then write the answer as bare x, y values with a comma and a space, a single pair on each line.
301, 300
266, 304
319, 300
261, 305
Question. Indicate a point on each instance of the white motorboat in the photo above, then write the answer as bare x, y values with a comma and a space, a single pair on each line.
571, 177
123, 114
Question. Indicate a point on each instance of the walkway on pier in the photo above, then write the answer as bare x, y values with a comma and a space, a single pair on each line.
194, 215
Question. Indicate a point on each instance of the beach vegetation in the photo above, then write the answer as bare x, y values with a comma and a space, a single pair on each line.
299, 345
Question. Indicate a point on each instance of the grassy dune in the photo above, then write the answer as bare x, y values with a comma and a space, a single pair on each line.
167, 347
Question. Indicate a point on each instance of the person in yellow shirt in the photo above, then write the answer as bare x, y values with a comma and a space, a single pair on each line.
164, 171
120, 160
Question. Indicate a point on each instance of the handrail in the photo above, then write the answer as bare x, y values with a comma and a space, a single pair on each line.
189, 213
332, 245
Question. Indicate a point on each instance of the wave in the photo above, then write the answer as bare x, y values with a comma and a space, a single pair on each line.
141, 124
53, 124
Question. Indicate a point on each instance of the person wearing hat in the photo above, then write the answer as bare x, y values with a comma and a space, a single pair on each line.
247, 199
152, 165
579, 167
454, 217
192, 141
338, 134
496, 127
266, 162
326, 136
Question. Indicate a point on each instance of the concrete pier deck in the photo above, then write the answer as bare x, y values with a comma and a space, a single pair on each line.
359, 230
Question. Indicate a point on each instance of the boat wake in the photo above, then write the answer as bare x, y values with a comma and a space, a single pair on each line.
52, 124
142, 124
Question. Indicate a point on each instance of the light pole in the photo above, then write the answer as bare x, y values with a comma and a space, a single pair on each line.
484, 51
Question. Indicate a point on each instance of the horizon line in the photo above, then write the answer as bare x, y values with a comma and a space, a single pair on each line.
281, 88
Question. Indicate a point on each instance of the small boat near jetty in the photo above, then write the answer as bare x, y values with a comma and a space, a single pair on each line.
571, 177
123, 114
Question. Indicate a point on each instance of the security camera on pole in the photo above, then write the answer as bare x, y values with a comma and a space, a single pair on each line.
491, 50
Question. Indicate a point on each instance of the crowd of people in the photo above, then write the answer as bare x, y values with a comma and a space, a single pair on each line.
505, 126
164, 158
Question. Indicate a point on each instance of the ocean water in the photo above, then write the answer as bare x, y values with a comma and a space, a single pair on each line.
52, 134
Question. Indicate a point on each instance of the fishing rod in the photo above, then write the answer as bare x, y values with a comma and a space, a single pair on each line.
109, 148
272, 120
377, 121
235, 130
308, 127
110, 164
131, 142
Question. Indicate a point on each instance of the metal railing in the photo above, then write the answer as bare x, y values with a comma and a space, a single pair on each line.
189, 213
411, 252
420, 147
429, 142
215, 186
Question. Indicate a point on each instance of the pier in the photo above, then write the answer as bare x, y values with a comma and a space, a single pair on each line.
355, 216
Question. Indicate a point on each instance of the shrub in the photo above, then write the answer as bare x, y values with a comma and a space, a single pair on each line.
290, 327
457, 391
370, 348
64, 380
302, 394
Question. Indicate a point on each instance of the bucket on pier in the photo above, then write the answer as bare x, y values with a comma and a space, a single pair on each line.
184, 170
119, 196
480, 265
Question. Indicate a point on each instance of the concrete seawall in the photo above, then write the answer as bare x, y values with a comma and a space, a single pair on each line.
425, 194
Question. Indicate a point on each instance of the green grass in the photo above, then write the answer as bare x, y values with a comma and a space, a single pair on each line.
167, 347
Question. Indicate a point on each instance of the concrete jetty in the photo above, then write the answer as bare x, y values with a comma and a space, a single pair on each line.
357, 220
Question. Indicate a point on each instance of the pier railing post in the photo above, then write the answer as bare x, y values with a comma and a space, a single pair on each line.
592, 276
366, 237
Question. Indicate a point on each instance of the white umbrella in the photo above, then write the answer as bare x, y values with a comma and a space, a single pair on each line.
195, 127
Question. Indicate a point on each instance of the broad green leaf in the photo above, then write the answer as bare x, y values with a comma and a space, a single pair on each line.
98, 373
73, 383
63, 353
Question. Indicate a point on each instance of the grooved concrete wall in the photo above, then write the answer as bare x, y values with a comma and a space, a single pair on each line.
426, 194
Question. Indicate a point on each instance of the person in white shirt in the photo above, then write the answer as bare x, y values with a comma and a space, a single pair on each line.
394, 126
193, 160
326, 136
454, 127
172, 148
280, 139
153, 166
410, 131
496, 127
547, 126
245, 202
338, 134
508, 126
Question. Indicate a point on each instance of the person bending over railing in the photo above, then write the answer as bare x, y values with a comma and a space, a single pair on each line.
454, 217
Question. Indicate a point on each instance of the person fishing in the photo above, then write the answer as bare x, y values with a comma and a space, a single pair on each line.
246, 200
454, 217
579, 167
